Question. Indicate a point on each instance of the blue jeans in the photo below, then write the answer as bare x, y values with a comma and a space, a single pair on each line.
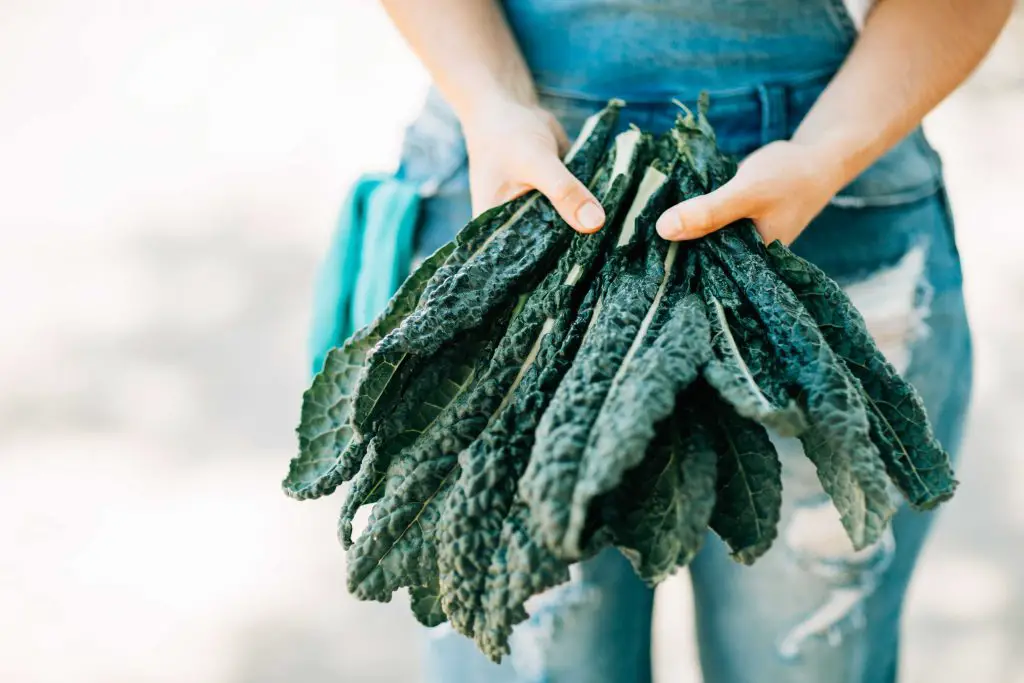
812, 610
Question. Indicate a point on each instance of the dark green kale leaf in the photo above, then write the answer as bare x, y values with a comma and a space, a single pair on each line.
446, 376
913, 456
662, 362
386, 372
550, 480
561, 481
660, 512
329, 450
838, 438
743, 358
522, 568
420, 479
749, 487
398, 547
484, 495
521, 245
491, 467
425, 602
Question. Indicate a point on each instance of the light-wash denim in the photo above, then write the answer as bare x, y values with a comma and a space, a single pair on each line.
812, 610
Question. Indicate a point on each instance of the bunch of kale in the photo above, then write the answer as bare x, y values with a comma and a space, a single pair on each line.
531, 396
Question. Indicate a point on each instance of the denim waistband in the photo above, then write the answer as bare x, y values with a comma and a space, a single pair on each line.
744, 118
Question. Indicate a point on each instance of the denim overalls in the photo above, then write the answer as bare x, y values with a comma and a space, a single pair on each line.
812, 610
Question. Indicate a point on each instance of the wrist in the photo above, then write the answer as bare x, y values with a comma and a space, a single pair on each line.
488, 105
838, 157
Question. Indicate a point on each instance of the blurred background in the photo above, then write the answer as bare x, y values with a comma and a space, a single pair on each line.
169, 175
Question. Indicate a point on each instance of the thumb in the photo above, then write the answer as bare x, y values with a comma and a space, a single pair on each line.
571, 198
702, 215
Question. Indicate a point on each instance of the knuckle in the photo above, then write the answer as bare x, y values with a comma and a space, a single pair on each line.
568, 191
673, 219
702, 218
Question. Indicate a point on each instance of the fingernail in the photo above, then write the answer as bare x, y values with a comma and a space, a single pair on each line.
590, 216
667, 229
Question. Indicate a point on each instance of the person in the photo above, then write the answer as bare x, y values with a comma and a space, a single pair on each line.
822, 101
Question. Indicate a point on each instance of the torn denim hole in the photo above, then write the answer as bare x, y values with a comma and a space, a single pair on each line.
895, 303
536, 641
818, 544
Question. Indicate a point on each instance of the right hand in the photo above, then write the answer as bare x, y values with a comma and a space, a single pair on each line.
516, 147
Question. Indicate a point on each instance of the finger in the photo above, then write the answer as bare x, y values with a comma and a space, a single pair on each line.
486, 193
571, 198
561, 138
702, 215
508, 191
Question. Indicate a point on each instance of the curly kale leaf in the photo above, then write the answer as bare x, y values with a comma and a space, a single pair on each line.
330, 451
743, 361
522, 568
399, 546
660, 512
521, 245
913, 456
838, 438
562, 435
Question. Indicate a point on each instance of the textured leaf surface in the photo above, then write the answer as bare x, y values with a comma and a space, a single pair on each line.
445, 377
642, 393
399, 547
749, 500
660, 512
736, 381
629, 289
522, 568
491, 467
562, 435
387, 369
838, 438
425, 602
327, 455
522, 243
913, 456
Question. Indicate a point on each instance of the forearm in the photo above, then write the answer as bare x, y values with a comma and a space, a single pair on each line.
468, 48
911, 55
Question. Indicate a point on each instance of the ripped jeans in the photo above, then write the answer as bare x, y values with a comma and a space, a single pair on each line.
812, 610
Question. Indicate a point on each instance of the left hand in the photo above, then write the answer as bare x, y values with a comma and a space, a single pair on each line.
781, 187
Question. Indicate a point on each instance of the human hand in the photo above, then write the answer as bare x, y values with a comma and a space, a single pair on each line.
516, 147
781, 187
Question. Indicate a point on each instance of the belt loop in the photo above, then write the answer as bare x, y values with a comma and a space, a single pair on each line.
774, 124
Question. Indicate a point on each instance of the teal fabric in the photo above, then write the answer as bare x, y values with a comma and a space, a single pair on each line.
391, 213
368, 258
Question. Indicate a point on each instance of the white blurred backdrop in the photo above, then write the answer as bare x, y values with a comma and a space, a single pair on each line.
169, 175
